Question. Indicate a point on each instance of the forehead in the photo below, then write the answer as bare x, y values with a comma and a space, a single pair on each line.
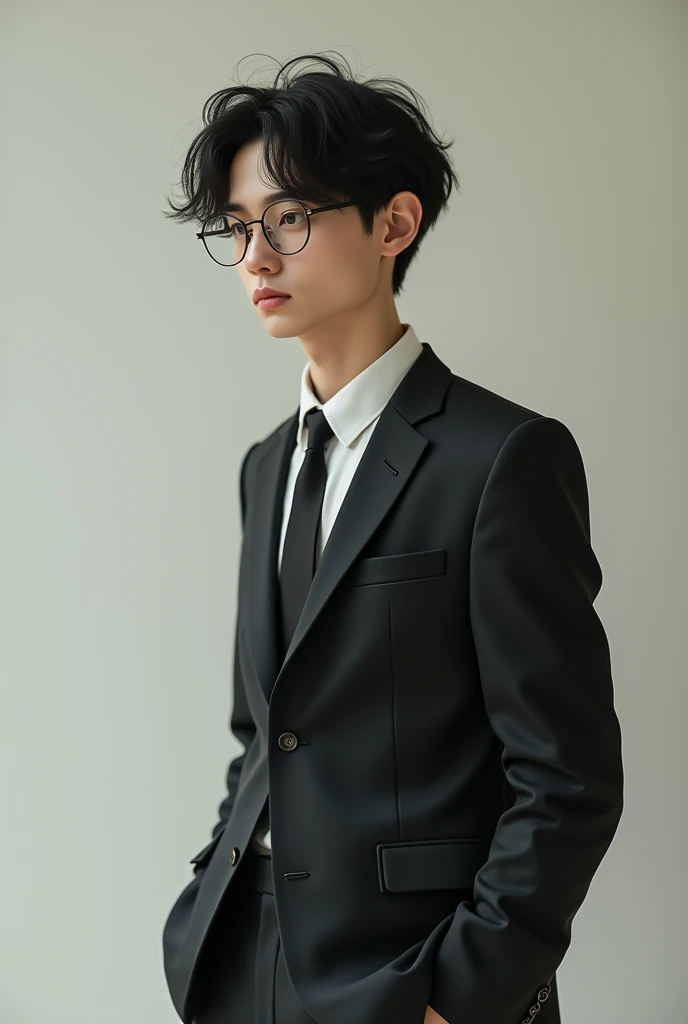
271, 197
248, 189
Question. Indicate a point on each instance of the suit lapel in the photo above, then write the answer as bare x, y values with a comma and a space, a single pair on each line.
386, 466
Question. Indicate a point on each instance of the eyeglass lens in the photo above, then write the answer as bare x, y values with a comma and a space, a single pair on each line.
286, 224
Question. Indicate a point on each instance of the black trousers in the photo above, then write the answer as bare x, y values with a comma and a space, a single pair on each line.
243, 978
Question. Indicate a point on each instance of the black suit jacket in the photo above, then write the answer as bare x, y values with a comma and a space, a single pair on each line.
440, 742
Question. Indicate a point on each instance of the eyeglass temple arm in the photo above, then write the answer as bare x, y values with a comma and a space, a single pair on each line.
320, 209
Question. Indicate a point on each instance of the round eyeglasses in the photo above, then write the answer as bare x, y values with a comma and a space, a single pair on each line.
286, 225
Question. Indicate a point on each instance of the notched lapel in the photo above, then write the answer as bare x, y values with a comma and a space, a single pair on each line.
372, 493
262, 620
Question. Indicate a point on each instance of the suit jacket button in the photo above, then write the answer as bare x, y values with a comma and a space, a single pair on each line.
288, 741
234, 855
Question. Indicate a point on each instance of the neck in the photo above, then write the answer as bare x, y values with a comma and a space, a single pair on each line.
338, 352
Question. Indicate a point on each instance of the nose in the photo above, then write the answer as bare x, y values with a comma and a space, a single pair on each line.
259, 252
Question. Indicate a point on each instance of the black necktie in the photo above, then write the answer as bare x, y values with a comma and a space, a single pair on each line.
300, 543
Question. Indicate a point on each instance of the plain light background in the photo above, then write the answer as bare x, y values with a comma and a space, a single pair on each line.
135, 373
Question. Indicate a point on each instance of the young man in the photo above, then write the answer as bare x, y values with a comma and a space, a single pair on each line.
431, 770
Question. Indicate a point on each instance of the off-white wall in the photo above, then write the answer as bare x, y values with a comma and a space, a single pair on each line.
134, 374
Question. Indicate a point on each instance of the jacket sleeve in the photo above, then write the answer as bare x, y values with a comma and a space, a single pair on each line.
240, 722
545, 673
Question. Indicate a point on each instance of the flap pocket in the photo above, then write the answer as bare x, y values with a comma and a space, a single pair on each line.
430, 864
409, 565
204, 855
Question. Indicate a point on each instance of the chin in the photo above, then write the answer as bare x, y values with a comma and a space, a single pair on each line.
275, 329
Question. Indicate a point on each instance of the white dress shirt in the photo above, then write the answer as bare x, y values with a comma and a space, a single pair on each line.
352, 413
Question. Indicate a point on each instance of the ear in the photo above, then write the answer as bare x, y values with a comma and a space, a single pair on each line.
402, 218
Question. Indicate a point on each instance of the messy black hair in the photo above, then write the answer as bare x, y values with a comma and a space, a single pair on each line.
326, 137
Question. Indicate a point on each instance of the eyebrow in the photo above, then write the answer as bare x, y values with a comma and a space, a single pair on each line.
272, 197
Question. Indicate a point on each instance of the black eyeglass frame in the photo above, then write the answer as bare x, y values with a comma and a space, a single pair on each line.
310, 212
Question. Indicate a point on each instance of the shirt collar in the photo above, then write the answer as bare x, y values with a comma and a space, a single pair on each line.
358, 403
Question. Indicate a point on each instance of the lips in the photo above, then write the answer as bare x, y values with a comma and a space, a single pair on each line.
268, 293
273, 301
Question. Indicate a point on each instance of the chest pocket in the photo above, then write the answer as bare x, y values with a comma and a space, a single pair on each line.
410, 565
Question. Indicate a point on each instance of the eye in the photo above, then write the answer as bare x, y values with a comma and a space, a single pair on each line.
295, 214
233, 229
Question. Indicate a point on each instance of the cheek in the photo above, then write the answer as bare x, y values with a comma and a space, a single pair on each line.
341, 264
324, 251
